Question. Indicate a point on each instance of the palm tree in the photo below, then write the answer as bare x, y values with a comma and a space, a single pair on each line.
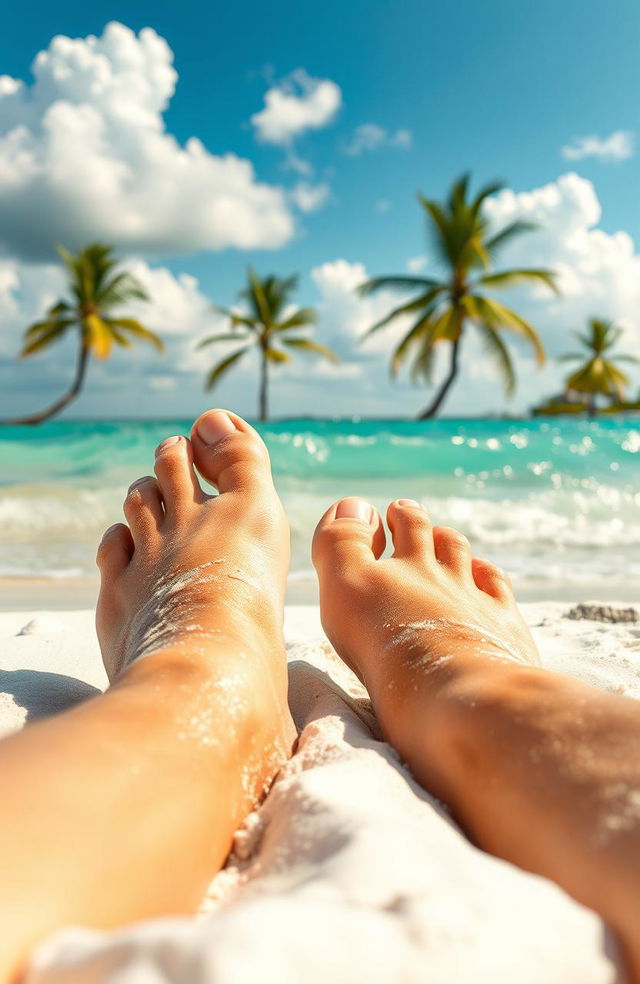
599, 375
466, 248
96, 291
267, 321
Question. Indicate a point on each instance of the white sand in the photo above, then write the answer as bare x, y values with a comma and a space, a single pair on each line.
349, 872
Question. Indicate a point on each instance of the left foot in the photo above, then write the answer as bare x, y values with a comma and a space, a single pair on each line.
199, 580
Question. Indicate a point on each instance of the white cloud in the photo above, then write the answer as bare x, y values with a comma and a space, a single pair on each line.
383, 205
599, 272
416, 263
309, 197
371, 136
345, 316
84, 154
618, 146
599, 276
296, 104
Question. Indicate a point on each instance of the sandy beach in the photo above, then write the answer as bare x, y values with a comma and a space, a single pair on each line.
349, 871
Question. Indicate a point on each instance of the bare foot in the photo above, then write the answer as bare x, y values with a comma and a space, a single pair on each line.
202, 578
427, 604
538, 768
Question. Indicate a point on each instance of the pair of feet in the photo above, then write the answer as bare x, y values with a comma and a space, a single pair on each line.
190, 566
434, 634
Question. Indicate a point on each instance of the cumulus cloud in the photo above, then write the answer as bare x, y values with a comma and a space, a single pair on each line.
599, 275
84, 154
370, 136
345, 316
309, 197
416, 263
618, 146
295, 105
599, 272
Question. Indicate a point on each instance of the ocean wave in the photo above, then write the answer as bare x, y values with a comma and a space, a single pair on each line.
546, 500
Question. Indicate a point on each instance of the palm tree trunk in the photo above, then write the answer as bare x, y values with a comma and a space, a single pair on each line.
264, 384
433, 407
69, 396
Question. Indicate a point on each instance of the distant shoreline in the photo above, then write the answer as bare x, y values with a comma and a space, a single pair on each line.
354, 419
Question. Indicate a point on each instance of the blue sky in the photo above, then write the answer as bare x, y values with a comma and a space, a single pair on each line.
498, 88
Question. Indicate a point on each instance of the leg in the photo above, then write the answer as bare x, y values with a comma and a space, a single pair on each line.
124, 807
538, 768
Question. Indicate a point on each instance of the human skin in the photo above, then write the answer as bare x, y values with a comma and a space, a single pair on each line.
538, 768
124, 807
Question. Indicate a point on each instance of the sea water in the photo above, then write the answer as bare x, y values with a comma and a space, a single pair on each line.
557, 503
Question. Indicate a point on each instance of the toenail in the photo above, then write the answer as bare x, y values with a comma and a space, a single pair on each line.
214, 426
354, 509
411, 503
139, 481
111, 529
167, 443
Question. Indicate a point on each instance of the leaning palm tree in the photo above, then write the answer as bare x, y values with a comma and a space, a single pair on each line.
599, 374
96, 291
267, 321
444, 307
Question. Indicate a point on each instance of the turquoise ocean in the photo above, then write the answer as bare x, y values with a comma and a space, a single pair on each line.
555, 503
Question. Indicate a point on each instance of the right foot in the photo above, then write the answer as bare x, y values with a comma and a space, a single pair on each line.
430, 601
538, 768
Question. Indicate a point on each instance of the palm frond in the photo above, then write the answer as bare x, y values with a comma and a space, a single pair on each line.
438, 230
300, 318
61, 307
48, 333
424, 303
487, 191
133, 327
235, 318
497, 315
44, 326
496, 347
222, 337
276, 355
120, 290
222, 367
397, 283
509, 232
97, 336
257, 296
513, 278
419, 332
308, 345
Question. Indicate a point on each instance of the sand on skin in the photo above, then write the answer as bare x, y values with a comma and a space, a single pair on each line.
348, 871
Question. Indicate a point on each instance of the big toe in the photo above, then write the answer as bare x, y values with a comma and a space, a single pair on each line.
229, 453
349, 534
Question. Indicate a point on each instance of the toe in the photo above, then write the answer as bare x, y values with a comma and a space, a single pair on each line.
411, 529
176, 476
143, 508
452, 550
350, 533
491, 579
115, 551
229, 453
